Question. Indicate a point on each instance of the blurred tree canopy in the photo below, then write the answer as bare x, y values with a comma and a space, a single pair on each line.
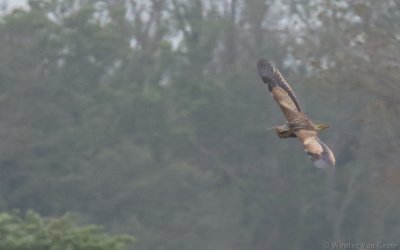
32, 232
148, 117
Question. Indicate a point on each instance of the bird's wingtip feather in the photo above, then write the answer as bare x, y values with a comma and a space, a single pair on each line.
265, 68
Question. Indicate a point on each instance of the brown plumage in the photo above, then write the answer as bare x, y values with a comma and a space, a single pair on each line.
298, 124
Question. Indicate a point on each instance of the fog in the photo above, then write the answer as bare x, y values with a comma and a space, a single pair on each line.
148, 118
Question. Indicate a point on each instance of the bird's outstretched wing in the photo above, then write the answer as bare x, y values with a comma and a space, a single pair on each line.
276, 83
319, 153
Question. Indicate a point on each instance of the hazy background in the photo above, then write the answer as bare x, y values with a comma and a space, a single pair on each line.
11, 4
148, 117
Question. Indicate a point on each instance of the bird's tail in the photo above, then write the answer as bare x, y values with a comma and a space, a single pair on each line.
322, 126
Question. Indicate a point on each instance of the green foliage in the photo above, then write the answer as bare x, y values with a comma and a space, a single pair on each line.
31, 232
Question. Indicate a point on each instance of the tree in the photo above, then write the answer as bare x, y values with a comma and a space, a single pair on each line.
33, 232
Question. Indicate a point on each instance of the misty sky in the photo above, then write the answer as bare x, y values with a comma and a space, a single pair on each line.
14, 3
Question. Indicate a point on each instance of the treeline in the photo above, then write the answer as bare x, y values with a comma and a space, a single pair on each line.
31, 231
148, 117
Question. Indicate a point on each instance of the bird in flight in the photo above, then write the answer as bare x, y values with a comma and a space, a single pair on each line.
298, 124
